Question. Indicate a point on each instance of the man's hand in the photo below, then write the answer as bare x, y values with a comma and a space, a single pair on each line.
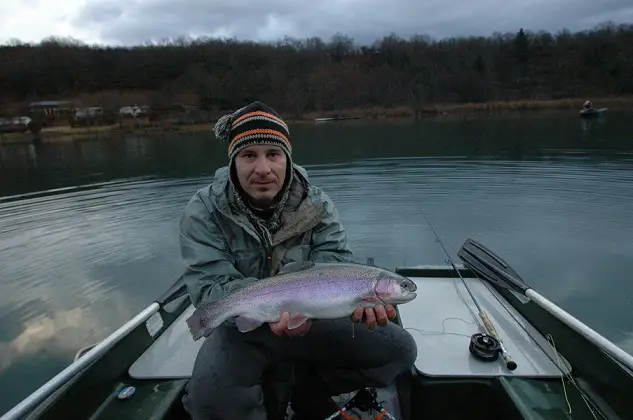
378, 315
281, 327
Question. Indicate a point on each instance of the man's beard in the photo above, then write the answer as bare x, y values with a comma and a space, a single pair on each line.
263, 204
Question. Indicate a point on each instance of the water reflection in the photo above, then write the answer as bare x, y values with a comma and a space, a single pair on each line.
55, 164
81, 263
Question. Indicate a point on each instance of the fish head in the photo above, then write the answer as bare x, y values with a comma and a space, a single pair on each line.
393, 289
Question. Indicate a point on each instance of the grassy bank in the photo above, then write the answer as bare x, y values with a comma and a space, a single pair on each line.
572, 106
67, 133
498, 108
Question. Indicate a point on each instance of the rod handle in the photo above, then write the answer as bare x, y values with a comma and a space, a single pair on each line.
488, 325
510, 364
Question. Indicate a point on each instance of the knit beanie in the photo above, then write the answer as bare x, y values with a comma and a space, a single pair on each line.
255, 124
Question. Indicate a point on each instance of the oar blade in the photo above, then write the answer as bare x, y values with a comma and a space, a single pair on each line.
489, 266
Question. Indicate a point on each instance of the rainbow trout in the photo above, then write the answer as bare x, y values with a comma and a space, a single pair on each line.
306, 291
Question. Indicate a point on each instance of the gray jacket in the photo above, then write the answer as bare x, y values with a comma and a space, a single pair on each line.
222, 252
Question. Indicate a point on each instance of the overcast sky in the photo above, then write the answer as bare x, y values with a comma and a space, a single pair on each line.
135, 21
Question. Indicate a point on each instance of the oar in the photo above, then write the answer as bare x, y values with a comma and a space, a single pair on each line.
492, 268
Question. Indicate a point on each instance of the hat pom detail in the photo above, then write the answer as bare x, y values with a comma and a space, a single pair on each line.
222, 128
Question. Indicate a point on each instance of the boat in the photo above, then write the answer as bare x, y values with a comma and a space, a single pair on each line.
489, 347
592, 112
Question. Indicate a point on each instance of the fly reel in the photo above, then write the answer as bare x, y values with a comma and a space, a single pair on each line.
484, 347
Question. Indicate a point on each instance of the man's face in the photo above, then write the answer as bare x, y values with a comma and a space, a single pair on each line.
261, 171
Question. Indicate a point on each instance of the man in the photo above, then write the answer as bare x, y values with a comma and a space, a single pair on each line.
259, 214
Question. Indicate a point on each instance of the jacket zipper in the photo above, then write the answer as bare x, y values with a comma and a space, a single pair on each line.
268, 255
266, 240
268, 250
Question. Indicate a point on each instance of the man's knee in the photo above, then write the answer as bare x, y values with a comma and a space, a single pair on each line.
406, 350
401, 351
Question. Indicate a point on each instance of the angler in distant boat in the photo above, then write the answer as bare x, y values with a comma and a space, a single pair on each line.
589, 111
259, 215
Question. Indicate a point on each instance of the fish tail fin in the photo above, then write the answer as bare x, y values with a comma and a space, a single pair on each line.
199, 325
194, 322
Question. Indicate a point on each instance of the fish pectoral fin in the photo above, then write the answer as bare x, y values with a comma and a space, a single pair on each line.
296, 266
368, 302
246, 324
296, 321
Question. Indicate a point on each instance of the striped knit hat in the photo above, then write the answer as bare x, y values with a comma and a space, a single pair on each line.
256, 123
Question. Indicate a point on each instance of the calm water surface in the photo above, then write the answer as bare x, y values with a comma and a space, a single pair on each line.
88, 230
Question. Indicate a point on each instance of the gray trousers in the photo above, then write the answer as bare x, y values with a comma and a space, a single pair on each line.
227, 374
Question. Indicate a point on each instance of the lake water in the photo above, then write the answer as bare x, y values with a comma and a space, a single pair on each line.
89, 229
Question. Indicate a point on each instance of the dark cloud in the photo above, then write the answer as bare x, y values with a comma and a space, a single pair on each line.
134, 22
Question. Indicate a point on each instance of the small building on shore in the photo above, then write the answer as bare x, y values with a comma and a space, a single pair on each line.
51, 112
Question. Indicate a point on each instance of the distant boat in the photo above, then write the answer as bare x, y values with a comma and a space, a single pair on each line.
327, 119
592, 112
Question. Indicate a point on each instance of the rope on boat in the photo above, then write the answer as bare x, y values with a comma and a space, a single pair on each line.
571, 379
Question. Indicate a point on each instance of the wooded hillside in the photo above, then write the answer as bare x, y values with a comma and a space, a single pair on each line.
305, 75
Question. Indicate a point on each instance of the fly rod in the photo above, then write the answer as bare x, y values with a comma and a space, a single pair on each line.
482, 346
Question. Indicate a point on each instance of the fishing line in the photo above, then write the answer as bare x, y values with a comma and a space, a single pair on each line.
460, 294
571, 379
443, 332
562, 376
481, 345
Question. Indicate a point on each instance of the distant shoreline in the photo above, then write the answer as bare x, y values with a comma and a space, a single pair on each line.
492, 108
497, 108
